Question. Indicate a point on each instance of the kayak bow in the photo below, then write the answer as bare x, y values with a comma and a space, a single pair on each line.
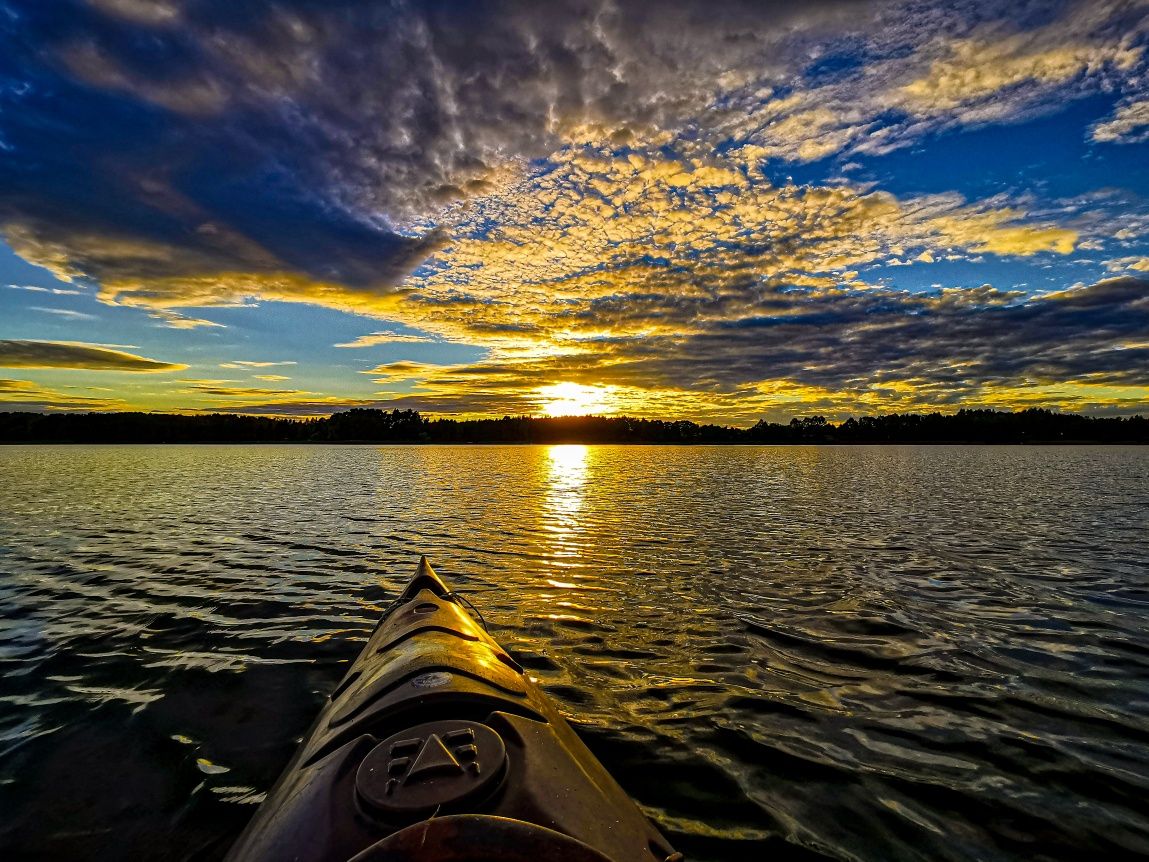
437, 746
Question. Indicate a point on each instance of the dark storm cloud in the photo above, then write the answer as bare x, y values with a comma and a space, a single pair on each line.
207, 138
57, 354
953, 342
840, 352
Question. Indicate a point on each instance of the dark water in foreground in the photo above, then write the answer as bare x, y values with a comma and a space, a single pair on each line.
951, 659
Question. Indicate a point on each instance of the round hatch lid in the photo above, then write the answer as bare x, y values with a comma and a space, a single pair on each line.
438, 764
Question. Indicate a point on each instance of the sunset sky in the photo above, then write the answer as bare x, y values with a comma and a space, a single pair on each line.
720, 211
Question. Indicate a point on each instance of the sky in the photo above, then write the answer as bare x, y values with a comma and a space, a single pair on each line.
700, 209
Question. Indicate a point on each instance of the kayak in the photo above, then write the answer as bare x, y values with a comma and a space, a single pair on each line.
437, 746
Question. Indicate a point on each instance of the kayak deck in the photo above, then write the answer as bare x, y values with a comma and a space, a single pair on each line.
437, 746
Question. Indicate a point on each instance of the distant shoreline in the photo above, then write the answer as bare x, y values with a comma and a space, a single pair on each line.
372, 427
431, 445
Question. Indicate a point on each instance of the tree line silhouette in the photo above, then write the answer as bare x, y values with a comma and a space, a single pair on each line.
408, 426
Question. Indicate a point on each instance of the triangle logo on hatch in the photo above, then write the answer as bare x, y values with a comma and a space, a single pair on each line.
433, 758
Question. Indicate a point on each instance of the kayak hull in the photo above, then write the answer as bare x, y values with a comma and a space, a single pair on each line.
437, 745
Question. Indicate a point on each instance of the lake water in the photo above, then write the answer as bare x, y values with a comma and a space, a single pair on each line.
888, 653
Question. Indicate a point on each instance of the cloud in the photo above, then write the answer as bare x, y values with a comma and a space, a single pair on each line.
841, 352
1128, 264
64, 312
191, 271
944, 66
68, 354
956, 342
1005, 70
243, 391
153, 12
58, 291
1128, 125
589, 191
314, 153
245, 363
403, 369
301, 152
175, 320
670, 245
386, 337
296, 408
271, 378
20, 395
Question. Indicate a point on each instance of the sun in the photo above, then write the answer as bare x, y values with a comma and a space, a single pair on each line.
574, 399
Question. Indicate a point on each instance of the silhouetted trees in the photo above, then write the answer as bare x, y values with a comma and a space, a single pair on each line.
151, 428
408, 426
1033, 425
360, 424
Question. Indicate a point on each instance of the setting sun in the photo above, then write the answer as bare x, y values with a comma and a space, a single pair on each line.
574, 399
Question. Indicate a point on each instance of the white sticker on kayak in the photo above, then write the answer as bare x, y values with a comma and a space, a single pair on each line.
431, 680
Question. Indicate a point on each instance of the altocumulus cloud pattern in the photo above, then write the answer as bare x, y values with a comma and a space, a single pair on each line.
716, 210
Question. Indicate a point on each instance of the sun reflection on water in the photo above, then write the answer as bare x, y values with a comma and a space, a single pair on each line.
631, 590
565, 496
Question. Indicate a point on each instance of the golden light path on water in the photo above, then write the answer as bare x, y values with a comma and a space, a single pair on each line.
563, 524
566, 478
854, 658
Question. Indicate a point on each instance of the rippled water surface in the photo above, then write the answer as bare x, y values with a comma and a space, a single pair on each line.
781, 652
